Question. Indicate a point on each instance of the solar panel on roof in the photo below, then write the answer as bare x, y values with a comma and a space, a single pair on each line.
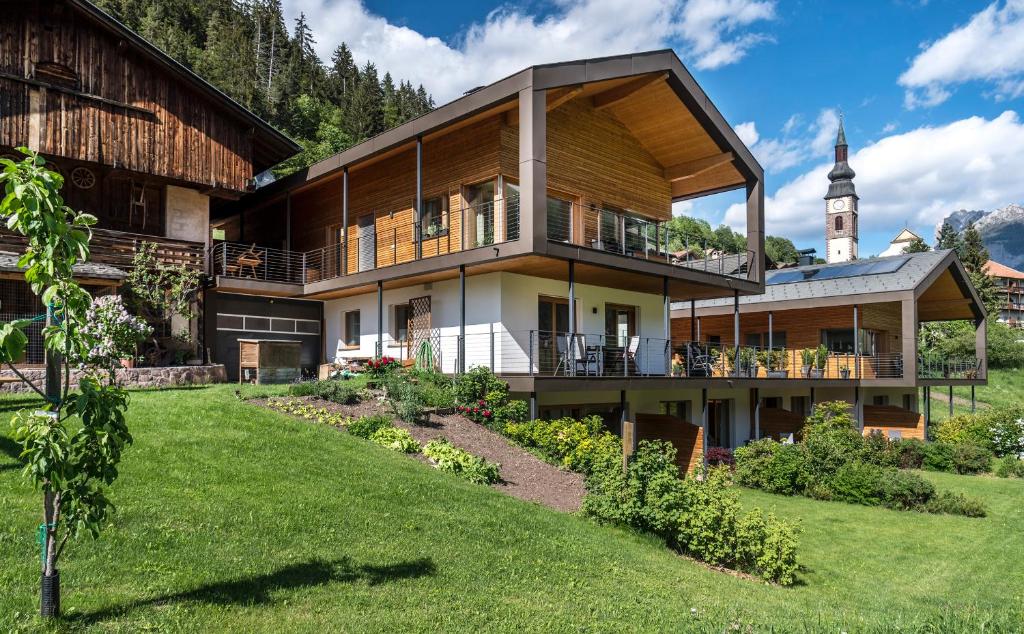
853, 269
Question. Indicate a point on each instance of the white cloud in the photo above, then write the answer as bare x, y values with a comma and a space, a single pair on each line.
920, 176
796, 144
747, 132
707, 33
990, 47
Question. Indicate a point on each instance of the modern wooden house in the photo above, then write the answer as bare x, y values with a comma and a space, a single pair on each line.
145, 145
845, 331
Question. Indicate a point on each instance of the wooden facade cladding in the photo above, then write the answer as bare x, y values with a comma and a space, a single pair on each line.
112, 106
802, 326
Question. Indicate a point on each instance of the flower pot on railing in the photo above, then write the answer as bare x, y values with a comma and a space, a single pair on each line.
816, 373
778, 374
844, 373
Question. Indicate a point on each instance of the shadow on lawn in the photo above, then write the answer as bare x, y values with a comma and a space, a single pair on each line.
13, 450
259, 589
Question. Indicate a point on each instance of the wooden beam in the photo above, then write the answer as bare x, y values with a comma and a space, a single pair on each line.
614, 95
696, 167
558, 97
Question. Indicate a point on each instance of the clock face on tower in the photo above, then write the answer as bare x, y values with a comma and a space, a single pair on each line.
839, 204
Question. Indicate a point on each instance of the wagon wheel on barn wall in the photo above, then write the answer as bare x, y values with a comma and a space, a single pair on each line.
83, 178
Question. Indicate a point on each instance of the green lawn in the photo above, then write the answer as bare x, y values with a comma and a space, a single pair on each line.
1005, 387
233, 518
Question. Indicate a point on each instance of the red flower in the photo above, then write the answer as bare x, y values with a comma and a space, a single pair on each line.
481, 402
487, 413
476, 410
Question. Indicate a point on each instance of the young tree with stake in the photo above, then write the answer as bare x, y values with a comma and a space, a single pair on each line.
72, 444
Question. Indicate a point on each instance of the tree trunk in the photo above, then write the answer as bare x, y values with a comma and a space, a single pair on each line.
50, 579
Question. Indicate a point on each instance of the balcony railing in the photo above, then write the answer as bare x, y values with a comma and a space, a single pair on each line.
378, 245
118, 248
935, 367
634, 236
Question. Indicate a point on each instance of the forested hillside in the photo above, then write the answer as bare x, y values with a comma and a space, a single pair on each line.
245, 48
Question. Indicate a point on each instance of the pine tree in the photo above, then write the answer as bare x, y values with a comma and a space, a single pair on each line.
227, 60
947, 237
392, 109
917, 245
366, 116
343, 75
973, 253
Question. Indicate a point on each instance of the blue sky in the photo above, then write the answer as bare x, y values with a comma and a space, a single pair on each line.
931, 90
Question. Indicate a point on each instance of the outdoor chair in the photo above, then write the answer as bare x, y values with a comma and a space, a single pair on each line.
698, 362
250, 259
586, 358
562, 349
629, 355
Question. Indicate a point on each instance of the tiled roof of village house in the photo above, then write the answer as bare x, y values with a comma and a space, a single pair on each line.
859, 277
1001, 270
9, 264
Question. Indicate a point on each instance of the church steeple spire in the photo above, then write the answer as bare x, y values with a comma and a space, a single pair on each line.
842, 174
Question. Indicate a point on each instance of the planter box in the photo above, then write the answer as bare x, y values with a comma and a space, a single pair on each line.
778, 374
815, 373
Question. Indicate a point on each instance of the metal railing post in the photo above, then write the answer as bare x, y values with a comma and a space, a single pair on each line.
224, 258
529, 360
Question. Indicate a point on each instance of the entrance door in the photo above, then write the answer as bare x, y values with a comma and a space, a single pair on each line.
619, 326
552, 327
367, 248
479, 214
718, 424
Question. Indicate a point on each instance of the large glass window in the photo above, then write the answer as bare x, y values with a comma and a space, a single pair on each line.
559, 219
400, 324
434, 221
479, 214
351, 335
840, 341
510, 207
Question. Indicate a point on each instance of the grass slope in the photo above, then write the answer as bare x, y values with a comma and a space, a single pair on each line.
238, 519
1005, 388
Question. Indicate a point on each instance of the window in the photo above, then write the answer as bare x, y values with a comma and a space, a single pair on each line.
909, 402
434, 221
773, 402
400, 324
840, 340
479, 215
760, 339
798, 405
679, 409
880, 399
839, 223
559, 219
352, 329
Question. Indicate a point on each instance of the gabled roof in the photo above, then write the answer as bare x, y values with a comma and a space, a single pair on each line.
547, 77
906, 236
271, 144
855, 281
996, 269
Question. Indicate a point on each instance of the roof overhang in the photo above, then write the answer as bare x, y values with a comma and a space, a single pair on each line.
947, 293
729, 154
269, 144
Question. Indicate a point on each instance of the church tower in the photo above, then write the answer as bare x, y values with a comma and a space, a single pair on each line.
841, 207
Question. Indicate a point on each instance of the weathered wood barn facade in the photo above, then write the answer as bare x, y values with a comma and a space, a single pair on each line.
144, 144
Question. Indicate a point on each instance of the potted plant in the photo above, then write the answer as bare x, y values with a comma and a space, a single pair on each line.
748, 362
774, 362
677, 365
820, 360
806, 361
844, 371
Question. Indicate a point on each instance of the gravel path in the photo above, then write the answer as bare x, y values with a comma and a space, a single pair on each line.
523, 475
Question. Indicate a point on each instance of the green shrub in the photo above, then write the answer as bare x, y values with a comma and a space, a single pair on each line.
910, 453
1009, 467
578, 445
904, 491
969, 458
771, 466
1006, 425
857, 483
515, 411
395, 439
460, 462
329, 390
700, 518
366, 426
938, 456
767, 546
435, 389
955, 504
965, 429
879, 450
476, 384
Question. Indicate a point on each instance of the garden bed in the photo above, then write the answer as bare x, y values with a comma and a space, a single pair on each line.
523, 475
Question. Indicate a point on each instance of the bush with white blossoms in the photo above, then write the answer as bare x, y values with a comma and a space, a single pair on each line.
113, 333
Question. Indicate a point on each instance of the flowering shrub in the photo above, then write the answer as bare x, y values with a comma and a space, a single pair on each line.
478, 412
111, 332
380, 366
578, 445
1007, 428
720, 456
483, 398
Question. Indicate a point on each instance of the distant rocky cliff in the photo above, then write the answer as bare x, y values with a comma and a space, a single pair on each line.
1001, 229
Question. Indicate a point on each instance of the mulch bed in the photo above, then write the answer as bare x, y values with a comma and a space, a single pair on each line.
523, 475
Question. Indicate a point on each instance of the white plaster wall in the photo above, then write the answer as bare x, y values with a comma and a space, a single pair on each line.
187, 214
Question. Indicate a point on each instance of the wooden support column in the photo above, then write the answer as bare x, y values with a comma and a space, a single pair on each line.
908, 318
755, 229
736, 330
462, 319
418, 216
344, 222
693, 320
380, 318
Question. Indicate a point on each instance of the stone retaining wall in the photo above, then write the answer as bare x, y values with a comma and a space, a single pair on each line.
133, 377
